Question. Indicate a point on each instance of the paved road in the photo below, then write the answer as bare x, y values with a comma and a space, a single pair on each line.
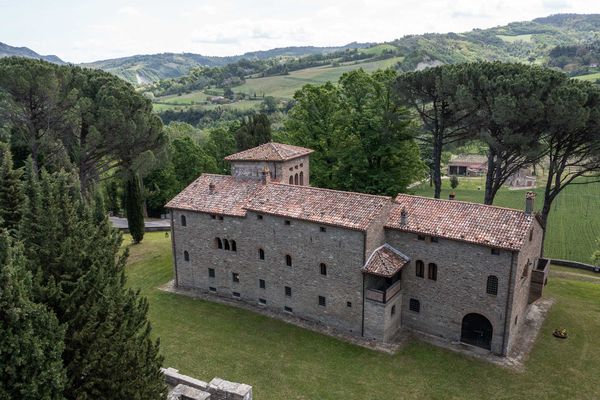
149, 224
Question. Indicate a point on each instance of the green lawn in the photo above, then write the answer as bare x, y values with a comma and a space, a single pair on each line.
282, 361
574, 223
590, 77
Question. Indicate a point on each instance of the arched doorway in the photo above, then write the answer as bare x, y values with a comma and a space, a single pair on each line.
477, 330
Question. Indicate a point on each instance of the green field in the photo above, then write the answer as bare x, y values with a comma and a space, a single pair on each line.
281, 361
515, 38
284, 86
590, 77
574, 222
378, 49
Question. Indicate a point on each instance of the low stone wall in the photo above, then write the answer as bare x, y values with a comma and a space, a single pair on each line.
187, 388
575, 264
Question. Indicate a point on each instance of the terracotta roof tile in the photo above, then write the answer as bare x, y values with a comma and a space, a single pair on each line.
270, 152
469, 222
385, 261
229, 195
331, 207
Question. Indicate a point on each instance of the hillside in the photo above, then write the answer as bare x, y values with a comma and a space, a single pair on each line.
10, 51
534, 42
143, 69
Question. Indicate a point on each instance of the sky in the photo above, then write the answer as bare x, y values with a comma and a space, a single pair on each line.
85, 30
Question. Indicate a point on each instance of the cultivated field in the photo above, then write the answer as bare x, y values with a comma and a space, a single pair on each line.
590, 77
574, 220
282, 361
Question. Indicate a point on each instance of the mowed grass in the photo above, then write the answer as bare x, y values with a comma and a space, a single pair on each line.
574, 223
281, 361
590, 77
515, 38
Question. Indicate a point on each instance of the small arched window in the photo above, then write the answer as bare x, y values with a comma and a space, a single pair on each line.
296, 179
183, 221
492, 285
233, 246
420, 268
291, 180
323, 269
288, 260
432, 272
226, 244
261, 254
218, 243
301, 178
186, 255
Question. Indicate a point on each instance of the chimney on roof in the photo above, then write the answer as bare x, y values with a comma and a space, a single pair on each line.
265, 175
529, 202
211, 188
403, 216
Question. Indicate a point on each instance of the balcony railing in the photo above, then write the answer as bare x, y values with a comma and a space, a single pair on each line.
383, 295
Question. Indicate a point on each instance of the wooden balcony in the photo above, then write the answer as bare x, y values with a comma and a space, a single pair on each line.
383, 295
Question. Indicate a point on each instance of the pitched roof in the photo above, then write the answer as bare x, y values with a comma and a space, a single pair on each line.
330, 207
229, 195
270, 152
469, 222
385, 261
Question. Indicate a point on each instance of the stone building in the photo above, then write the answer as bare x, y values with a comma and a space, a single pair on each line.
367, 265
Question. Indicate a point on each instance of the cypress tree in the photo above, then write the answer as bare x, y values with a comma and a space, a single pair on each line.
11, 193
80, 274
134, 208
31, 340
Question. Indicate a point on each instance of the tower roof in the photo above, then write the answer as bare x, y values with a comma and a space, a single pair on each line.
271, 151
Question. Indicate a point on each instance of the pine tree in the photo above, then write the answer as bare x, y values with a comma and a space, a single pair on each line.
134, 208
31, 340
80, 276
11, 193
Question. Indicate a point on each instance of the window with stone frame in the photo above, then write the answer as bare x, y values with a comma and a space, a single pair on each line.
288, 291
420, 269
235, 277
414, 305
186, 255
492, 285
219, 243
183, 221
233, 246
262, 284
322, 301
432, 271
226, 244
261, 254
211, 272
496, 252
288, 260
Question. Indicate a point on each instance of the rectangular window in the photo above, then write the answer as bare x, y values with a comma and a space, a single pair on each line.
348, 304
322, 301
262, 284
393, 310
420, 237
287, 222
496, 252
259, 216
262, 301
211, 272
235, 277
213, 217
212, 289
288, 309
323, 229
323, 269
236, 294
414, 305
288, 291
435, 239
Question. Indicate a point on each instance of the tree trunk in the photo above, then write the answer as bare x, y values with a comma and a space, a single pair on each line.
489, 177
437, 173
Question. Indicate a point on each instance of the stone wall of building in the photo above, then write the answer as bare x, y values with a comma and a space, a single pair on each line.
341, 250
280, 171
526, 261
381, 323
460, 288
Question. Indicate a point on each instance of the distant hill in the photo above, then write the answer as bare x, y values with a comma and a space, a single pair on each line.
8, 51
142, 69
